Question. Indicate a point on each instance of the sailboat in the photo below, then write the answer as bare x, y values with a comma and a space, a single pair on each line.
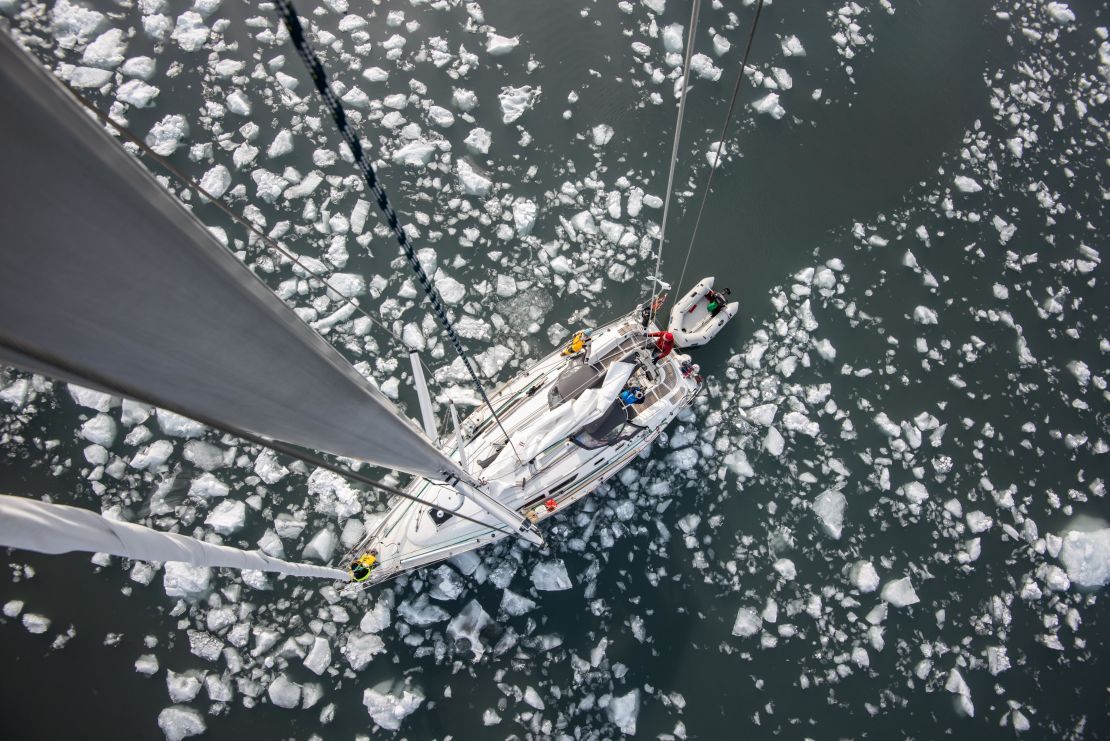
130, 294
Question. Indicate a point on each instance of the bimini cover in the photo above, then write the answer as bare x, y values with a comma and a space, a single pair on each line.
691, 323
56, 528
106, 280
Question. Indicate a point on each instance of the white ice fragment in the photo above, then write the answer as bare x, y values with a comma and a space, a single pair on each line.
282, 144
1086, 556
101, 430
702, 66
478, 141
238, 103
166, 135
966, 184
147, 665
978, 522
464, 100
1060, 13
769, 104
864, 577
106, 51
181, 687
524, 215
774, 443
924, 315
798, 422
829, 506
321, 546
602, 134
229, 516
471, 182
388, 710
319, 656
468, 624
957, 686
441, 117
747, 623
185, 580
762, 415
498, 45
673, 40
417, 153
792, 47
35, 624
284, 693
361, 648
551, 576
179, 722
785, 568
900, 593
915, 492
190, 32
624, 710
516, 100
216, 181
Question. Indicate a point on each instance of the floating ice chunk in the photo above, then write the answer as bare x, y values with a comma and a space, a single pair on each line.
471, 182
421, 612
924, 315
864, 577
514, 604
782, 78
74, 24
624, 710
774, 443
101, 430
418, 153
216, 181
90, 399
506, 286
36, 624
304, 188
673, 38
702, 66
185, 580
12, 608
389, 710
1086, 556
1056, 579
967, 185
602, 134
498, 45
524, 215
516, 100
478, 141
957, 686
798, 422
441, 117
89, 77
182, 687
900, 593
769, 104
826, 350
915, 492
792, 47
179, 722
978, 522
319, 656
321, 547
281, 145
997, 660
152, 456
283, 693
106, 52
137, 93
655, 6
227, 517
762, 415
166, 135
176, 425
147, 665
1060, 13
238, 103
551, 576
1006, 230
361, 648
464, 100
785, 568
190, 33
747, 623
829, 506
468, 624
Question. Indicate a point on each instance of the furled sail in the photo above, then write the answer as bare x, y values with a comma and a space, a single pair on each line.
108, 281
56, 528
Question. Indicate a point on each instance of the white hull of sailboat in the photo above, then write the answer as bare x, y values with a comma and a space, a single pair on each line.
536, 483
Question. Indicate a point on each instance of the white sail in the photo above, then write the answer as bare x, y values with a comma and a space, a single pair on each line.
108, 281
56, 528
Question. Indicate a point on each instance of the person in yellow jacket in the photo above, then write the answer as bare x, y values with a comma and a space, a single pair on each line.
363, 565
578, 342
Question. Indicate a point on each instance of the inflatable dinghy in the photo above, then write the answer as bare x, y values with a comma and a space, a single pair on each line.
691, 322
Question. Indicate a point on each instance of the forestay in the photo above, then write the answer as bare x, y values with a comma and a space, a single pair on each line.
106, 280
56, 528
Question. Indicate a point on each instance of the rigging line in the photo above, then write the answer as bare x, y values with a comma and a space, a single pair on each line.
339, 116
674, 148
721, 142
236, 217
293, 451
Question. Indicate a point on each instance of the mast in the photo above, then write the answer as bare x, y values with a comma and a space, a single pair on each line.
107, 281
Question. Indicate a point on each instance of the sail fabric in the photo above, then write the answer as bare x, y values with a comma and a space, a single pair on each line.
560, 422
106, 280
57, 528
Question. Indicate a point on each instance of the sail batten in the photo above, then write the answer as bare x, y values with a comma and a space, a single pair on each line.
106, 280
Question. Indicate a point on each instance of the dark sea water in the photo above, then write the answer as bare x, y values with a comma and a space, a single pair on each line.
922, 311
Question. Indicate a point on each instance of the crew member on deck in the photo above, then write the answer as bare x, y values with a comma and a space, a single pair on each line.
632, 395
578, 342
663, 345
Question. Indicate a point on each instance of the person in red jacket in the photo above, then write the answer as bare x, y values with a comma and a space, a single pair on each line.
663, 345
